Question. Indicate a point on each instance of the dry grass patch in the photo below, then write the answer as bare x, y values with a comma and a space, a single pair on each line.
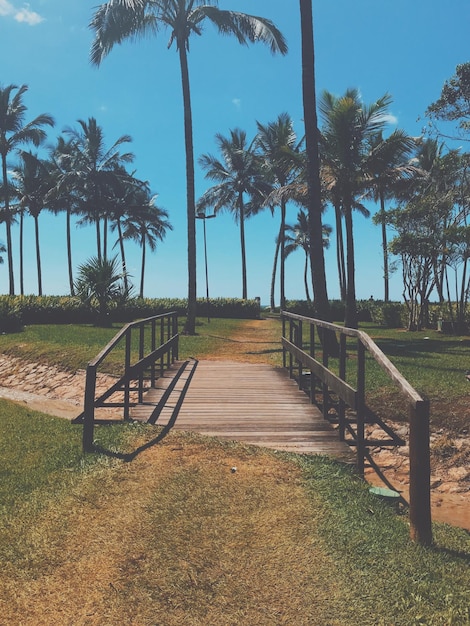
175, 537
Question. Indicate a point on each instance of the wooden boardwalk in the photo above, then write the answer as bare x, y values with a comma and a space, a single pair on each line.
251, 403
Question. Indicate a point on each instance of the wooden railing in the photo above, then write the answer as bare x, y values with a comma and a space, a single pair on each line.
353, 395
150, 346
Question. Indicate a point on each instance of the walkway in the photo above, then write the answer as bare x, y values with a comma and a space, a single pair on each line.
252, 403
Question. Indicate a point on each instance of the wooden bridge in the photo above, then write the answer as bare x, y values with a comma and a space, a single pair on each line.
266, 406
252, 403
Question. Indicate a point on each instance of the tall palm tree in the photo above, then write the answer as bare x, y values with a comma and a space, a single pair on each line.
240, 173
298, 237
32, 181
117, 20
14, 133
389, 167
94, 168
348, 125
315, 207
147, 225
277, 142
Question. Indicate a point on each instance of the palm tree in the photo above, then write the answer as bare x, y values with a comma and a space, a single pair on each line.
98, 285
277, 142
117, 20
348, 126
315, 207
298, 237
14, 133
389, 168
32, 181
146, 225
239, 173
93, 171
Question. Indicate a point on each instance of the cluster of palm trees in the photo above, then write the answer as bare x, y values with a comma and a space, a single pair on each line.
80, 177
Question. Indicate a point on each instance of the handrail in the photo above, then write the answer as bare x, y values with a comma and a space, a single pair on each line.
419, 410
166, 353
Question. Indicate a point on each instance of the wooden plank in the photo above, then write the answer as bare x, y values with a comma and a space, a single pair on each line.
252, 403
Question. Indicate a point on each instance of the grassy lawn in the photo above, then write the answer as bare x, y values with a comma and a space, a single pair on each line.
177, 537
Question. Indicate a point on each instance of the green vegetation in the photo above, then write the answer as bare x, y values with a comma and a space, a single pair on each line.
283, 539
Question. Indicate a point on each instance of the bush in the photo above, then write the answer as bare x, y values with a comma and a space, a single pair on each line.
10, 317
390, 314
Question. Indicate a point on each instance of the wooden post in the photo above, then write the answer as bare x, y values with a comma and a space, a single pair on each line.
342, 375
284, 360
360, 409
127, 383
420, 474
153, 345
162, 341
325, 390
175, 351
300, 345
89, 409
141, 356
313, 382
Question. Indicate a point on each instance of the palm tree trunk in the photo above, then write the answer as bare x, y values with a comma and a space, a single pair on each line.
340, 253
351, 309
8, 227
105, 237
69, 251
306, 277
384, 249
274, 272
190, 326
317, 259
38, 254
21, 254
283, 256
241, 216
123, 256
142, 271
98, 238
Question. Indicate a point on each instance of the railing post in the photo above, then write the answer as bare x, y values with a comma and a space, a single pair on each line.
360, 408
168, 337
291, 339
300, 345
420, 474
342, 375
175, 350
284, 360
141, 356
313, 382
89, 409
127, 384
153, 345
162, 341
325, 390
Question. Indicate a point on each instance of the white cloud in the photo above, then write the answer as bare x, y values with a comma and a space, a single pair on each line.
6, 8
237, 103
23, 15
28, 17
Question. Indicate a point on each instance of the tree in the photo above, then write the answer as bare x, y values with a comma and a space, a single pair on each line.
14, 133
277, 143
315, 206
92, 173
453, 105
389, 167
298, 237
240, 173
146, 224
32, 182
98, 285
348, 126
117, 20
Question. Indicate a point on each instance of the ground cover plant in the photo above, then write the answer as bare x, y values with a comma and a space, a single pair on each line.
201, 532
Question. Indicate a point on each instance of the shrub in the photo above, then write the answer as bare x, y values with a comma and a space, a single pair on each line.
10, 317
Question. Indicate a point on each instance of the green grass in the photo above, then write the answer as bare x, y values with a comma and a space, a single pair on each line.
204, 528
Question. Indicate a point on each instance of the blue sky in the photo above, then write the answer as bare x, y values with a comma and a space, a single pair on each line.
407, 49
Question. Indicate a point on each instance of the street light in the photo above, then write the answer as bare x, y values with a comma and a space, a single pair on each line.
204, 217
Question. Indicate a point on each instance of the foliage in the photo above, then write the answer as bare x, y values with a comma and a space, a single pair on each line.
10, 316
99, 285
454, 101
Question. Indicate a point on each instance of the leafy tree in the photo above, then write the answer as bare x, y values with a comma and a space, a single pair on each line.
240, 173
453, 105
298, 237
32, 182
92, 172
99, 284
348, 126
277, 144
389, 170
117, 20
146, 224
13, 134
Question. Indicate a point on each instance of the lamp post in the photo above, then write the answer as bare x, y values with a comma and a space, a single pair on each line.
204, 217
